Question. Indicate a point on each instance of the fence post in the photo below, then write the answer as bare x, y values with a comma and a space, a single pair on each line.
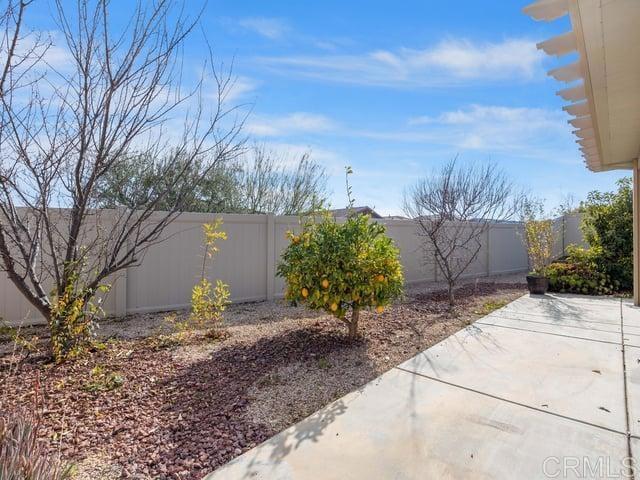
271, 256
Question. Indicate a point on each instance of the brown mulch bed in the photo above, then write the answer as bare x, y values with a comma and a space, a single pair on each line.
180, 410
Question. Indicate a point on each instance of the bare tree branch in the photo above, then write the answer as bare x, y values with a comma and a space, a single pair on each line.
269, 185
64, 128
453, 209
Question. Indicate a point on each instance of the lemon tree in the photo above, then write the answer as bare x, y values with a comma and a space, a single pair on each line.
342, 268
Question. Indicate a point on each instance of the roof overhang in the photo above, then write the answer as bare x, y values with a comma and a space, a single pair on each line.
605, 81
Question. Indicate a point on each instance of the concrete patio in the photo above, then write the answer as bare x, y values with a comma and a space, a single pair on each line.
546, 387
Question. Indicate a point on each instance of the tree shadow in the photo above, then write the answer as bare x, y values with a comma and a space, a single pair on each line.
468, 291
267, 312
287, 441
559, 308
210, 397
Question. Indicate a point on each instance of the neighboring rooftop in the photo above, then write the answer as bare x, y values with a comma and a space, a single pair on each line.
343, 212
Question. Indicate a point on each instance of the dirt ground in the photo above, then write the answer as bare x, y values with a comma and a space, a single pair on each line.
147, 404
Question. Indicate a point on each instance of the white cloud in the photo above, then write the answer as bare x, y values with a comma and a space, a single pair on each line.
240, 88
475, 114
298, 122
48, 45
498, 129
447, 63
272, 28
525, 133
468, 60
58, 57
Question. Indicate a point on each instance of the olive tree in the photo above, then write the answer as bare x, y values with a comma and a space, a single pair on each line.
453, 209
261, 181
208, 189
120, 93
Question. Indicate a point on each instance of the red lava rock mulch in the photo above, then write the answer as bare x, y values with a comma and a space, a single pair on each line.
180, 418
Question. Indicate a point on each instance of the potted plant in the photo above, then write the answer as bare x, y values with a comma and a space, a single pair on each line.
538, 238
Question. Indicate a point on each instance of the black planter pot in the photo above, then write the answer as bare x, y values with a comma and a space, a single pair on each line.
538, 285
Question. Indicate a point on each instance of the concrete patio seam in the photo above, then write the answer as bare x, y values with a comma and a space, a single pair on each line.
480, 322
563, 317
557, 325
501, 393
513, 402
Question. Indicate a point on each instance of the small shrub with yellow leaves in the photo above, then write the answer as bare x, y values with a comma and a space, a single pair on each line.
103, 380
208, 302
342, 268
72, 319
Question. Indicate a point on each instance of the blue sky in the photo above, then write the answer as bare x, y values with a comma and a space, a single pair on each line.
395, 89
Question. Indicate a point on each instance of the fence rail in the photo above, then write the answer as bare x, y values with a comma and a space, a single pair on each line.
247, 262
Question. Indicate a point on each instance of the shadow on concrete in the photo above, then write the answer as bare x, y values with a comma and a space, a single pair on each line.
559, 308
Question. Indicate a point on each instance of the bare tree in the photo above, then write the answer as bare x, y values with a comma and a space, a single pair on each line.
453, 209
268, 184
63, 128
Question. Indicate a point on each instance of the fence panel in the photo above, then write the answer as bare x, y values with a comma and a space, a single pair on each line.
572, 233
170, 269
506, 252
412, 255
248, 259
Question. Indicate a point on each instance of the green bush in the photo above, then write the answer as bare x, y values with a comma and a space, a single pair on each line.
607, 226
605, 267
342, 267
580, 272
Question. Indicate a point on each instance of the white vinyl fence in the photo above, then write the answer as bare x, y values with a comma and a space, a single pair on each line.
248, 259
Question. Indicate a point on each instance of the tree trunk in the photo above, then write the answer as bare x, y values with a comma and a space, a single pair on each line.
451, 296
353, 324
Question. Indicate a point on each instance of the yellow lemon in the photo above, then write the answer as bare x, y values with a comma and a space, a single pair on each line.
334, 307
325, 283
305, 292
379, 309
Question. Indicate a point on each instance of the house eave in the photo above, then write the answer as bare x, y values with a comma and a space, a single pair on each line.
604, 83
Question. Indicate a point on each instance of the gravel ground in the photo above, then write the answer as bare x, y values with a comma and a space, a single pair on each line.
148, 406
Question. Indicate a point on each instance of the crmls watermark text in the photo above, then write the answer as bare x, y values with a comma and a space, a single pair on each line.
587, 467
